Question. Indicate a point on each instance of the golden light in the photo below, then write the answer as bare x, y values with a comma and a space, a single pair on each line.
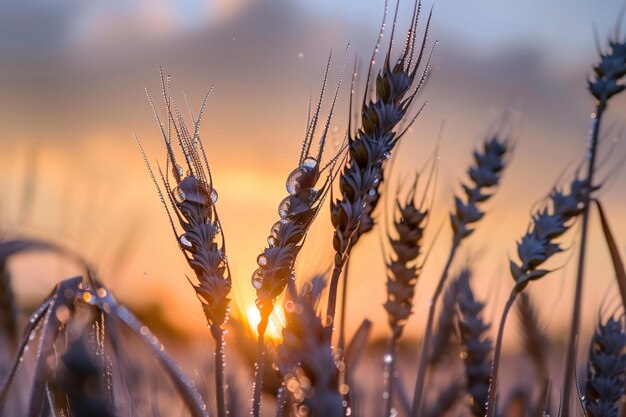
274, 326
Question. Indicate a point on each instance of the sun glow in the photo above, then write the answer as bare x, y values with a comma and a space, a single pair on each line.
274, 326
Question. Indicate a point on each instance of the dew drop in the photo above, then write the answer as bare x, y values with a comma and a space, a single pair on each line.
257, 280
387, 358
372, 192
184, 241
276, 229
376, 180
283, 208
387, 155
295, 180
272, 241
261, 260
179, 170
309, 162
214, 196
290, 306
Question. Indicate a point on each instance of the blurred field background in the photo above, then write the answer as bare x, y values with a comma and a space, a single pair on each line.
72, 79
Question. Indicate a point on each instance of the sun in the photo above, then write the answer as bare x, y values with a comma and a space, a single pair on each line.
274, 326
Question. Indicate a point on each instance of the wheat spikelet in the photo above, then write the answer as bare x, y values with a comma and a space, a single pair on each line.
538, 243
402, 274
606, 374
483, 176
609, 73
476, 344
402, 271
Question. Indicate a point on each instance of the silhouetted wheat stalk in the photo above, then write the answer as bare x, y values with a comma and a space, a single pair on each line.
371, 145
606, 83
192, 199
402, 274
534, 249
484, 176
307, 189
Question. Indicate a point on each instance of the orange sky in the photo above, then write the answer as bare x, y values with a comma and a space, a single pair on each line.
73, 95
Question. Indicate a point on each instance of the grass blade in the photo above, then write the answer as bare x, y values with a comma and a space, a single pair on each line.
618, 263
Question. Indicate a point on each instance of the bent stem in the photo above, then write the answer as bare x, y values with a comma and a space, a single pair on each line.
491, 398
260, 365
571, 344
423, 359
220, 387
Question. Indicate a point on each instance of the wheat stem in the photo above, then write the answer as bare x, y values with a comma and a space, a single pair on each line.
423, 359
341, 342
259, 366
220, 386
571, 344
491, 398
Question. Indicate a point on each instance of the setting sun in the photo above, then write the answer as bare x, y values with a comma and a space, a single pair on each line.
274, 326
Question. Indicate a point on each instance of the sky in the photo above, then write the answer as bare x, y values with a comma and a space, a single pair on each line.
72, 79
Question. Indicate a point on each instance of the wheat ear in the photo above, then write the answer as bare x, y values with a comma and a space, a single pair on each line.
402, 275
475, 342
606, 369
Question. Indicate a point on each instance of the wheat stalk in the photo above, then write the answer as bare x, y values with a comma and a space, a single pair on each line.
307, 188
199, 235
371, 145
484, 176
536, 246
402, 274
607, 82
